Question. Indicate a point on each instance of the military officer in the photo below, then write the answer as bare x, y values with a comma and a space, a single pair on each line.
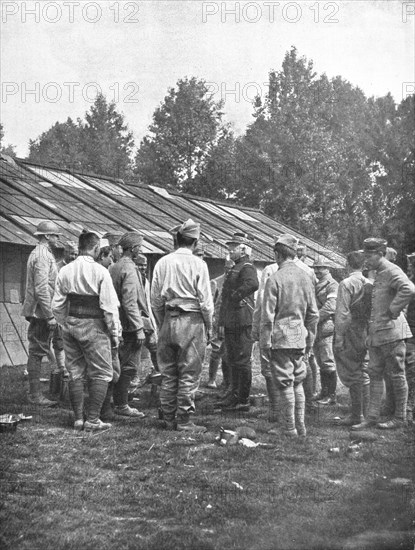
235, 320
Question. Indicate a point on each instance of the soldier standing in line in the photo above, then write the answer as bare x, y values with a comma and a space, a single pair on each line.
326, 295
70, 253
388, 330
218, 353
235, 321
37, 307
410, 344
128, 288
350, 347
150, 325
289, 318
264, 353
183, 307
86, 305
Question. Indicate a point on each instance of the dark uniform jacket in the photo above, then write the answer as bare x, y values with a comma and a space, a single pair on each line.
238, 295
129, 289
326, 295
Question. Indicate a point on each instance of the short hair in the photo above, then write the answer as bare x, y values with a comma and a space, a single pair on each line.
185, 241
284, 251
87, 240
356, 259
247, 249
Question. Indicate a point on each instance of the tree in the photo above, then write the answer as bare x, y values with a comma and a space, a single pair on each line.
107, 142
101, 144
185, 130
8, 149
61, 146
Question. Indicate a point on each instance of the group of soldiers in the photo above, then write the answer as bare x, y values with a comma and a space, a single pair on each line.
97, 309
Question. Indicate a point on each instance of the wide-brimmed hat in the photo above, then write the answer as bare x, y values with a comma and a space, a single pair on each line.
321, 261
47, 228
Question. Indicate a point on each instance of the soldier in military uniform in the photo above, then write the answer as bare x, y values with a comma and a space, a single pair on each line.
128, 286
235, 321
326, 294
350, 347
410, 344
388, 330
37, 308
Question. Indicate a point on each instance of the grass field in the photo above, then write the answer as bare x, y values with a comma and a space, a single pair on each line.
140, 487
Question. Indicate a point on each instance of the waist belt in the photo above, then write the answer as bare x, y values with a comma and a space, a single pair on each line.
83, 306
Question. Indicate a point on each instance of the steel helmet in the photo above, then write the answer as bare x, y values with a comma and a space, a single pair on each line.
47, 228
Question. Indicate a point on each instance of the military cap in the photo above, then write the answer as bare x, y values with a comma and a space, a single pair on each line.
373, 244
190, 229
113, 237
240, 238
411, 257
287, 240
130, 240
322, 262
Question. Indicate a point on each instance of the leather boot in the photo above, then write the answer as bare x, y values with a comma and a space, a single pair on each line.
121, 388
106, 410
55, 384
331, 384
356, 416
324, 387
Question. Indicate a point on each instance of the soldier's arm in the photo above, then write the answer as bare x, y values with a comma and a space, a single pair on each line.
205, 297
156, 299
342, 316
405, 290
129, 299
59, 302
268, 309
108, 301
329, 307
311, 321
249, 284
256, 318
41, 285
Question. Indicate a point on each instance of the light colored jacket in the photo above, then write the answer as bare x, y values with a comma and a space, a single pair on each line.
128, 288
392, 292
350, 290
40, 283
256, 318
289, 311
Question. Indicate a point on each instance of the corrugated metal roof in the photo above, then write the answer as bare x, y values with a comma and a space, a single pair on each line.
75, 201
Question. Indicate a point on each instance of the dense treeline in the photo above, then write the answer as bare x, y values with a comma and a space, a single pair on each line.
319, 155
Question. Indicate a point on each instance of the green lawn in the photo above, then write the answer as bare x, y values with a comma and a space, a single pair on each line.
140, 487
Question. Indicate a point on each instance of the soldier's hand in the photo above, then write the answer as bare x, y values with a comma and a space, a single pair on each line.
209, 335
115, 342
221, 333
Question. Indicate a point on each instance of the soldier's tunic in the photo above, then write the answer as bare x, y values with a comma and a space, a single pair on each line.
128, 287
37, 307
410, 356
351, 332
236, 313
392, 292
326, 294
218, 352
183, 307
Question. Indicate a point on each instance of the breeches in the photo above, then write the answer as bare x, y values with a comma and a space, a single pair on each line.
387, 359
287, 367
323, 352
180, 354
87, 349
352, 360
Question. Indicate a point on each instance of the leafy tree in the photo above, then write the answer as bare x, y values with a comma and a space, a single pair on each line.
185, 130
61, 146
107, 142
101, 144
8, 149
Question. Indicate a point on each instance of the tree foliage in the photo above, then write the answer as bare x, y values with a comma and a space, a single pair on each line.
185, 130
101, 144
6, 149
